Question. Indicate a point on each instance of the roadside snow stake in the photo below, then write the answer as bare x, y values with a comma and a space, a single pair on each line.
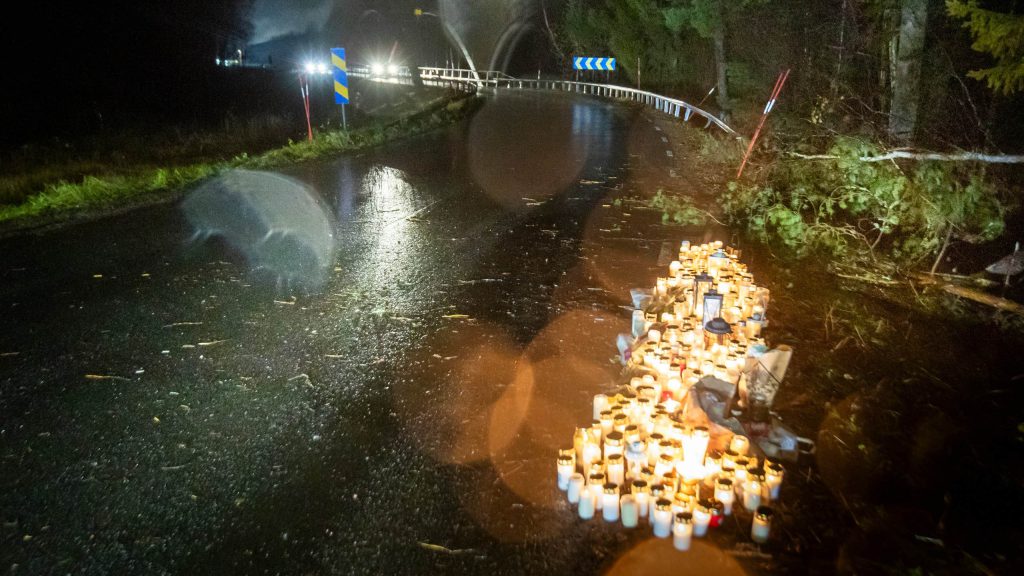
779, 82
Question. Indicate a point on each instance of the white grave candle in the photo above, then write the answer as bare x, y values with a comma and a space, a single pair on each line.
600, 405
616, 466
663, 518
566, 468
630, 511
610, 502
682, 531
576, 484
588, 499
701, 518
773, 479
641, 495
724, 494
762, 525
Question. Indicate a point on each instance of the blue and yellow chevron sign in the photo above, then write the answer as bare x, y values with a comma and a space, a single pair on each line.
340, 75
590, 63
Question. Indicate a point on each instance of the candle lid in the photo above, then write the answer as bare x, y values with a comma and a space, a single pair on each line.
566, 460
639, 485
663, 504
615, 459
657, 489
756, 474
765, 512
723, 484
611, 488
613, 438
705, 504
684, 518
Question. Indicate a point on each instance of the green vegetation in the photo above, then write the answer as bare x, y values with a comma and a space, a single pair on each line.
679, 210
842, 205
998, 34
113, 189
867, 76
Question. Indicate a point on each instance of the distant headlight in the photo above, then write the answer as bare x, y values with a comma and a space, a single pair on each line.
321, 68
310, 68
392, 69
377, 69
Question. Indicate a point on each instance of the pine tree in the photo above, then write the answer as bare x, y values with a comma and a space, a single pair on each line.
998, 34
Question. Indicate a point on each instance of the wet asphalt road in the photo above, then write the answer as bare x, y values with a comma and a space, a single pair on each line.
163, 409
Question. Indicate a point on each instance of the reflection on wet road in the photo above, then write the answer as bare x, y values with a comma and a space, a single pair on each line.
164, 408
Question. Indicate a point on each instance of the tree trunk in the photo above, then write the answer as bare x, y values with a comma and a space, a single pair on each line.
906, 80
718, 37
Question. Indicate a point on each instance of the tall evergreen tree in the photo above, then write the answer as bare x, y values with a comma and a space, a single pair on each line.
998, 34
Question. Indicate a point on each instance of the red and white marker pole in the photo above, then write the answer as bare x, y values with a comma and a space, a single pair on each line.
779, 82
304, 87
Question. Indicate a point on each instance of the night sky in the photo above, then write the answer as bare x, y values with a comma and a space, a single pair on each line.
76, 68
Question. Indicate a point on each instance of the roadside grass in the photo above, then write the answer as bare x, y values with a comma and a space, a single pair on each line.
58, 190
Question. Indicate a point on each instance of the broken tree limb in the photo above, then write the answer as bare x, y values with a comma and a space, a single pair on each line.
911, 155
975, 295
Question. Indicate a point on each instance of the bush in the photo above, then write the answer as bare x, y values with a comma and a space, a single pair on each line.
840, 204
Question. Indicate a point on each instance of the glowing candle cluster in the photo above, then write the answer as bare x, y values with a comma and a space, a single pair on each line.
645, 458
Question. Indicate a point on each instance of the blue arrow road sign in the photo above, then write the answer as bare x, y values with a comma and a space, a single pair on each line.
592, 63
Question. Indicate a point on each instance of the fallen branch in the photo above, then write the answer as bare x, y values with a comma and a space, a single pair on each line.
910, 155
976, 295
445, 550
983, 298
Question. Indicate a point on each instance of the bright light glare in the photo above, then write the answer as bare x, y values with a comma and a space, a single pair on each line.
310, 68
321, 68
392, 69
377, 69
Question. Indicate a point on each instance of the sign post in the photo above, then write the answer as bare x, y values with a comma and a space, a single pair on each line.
340, 69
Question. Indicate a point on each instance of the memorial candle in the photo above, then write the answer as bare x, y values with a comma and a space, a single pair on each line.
629, 510
600, 405
724, 494
662, 518
752, 489
566, 468
612, 444
701, 517
616, 467
682, 530
579, 439
739, 444
773, 474
576, 484
762, 525
610, 502
587, 501
641, 493
657, 493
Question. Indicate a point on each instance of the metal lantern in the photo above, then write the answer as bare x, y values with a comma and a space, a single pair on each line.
716, 261
712, 306
701, 286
